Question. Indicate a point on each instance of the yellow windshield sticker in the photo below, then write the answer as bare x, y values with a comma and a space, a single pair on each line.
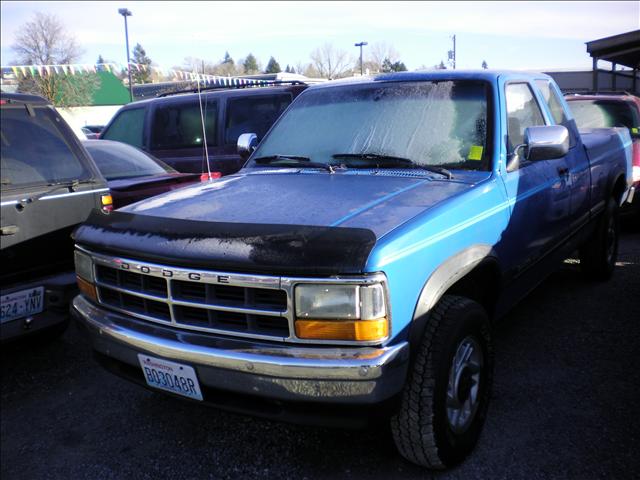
634, 130
475, 152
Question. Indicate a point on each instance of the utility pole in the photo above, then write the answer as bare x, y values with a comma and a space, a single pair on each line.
127, 13
361, 44
452, 53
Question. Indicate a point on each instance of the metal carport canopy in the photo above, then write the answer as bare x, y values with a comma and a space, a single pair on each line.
623, 49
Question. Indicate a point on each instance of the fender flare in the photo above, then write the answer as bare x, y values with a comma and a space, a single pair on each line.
441, 279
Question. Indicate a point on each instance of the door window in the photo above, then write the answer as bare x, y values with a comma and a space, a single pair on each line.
558, 114
179, 125
522, 111
127, 127
253, 115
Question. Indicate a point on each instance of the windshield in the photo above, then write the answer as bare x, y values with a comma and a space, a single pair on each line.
117, 160
428, 123
604, 113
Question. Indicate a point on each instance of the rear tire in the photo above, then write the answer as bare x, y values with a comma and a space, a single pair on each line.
445, 398
598, 256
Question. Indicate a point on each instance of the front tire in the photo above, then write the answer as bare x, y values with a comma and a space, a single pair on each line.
445, 399
598, 256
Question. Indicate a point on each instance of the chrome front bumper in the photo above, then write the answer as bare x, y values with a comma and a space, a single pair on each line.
346, 375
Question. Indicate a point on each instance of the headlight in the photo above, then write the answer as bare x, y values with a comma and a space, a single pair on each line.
84, 274
84, 266
341, 312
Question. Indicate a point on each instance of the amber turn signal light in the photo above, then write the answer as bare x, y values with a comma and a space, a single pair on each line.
359, 330
87, 289
107, 203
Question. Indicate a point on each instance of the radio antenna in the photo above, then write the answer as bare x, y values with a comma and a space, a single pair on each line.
204, 131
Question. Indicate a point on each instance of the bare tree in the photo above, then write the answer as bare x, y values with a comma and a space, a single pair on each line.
331, 62
44, 41
377, 54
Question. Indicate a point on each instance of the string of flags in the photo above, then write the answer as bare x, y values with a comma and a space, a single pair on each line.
76, 69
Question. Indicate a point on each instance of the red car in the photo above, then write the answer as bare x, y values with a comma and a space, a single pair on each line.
613, 110
132, 174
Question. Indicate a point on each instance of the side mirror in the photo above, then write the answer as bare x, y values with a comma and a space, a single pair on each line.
247, 143
546, 142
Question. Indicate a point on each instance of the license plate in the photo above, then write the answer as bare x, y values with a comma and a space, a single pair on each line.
170, 376
21, 304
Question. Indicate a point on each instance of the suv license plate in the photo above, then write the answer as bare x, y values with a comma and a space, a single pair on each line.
21, 304
170, 376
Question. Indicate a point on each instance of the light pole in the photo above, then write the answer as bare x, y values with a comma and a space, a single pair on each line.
127, 13
452, 53
361, 44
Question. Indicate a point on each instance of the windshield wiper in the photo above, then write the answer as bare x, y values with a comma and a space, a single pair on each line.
292, 161
390, 161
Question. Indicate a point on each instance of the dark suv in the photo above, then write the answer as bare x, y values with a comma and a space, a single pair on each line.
170, 127
49, 185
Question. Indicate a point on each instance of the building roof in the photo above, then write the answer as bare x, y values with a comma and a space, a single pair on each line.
622, 49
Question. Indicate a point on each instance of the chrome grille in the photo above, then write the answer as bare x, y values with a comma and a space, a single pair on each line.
202, 304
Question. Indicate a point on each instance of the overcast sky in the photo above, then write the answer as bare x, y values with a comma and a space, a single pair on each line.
517, 35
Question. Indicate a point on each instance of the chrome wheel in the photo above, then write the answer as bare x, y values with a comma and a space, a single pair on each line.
464, 384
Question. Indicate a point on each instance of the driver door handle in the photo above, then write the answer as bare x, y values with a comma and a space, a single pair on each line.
563, 171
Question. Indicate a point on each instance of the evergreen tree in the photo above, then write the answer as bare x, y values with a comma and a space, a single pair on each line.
388, 66
286, 70
143, 63
484, 64
442, 66
227, 59
272, 66
100, 59
250, 65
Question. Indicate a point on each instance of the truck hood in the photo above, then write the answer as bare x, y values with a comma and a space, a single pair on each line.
356, 199
276, 223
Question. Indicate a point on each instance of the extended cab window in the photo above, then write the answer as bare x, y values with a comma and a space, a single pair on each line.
604, 113
179, 125
253, 115
127, 127
522, 111
552, 98
34, 149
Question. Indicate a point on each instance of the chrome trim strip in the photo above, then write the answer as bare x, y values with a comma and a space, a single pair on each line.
184, 303
194, 328
225, 308
187, 274
73, 194
131, 292
59, 195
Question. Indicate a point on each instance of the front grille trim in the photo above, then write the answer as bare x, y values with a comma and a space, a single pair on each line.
116, 275
169, 300
285, 284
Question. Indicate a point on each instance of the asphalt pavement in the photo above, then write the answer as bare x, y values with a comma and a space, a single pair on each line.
566, 404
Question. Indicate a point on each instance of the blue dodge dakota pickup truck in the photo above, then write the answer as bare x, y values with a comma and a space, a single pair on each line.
354, 266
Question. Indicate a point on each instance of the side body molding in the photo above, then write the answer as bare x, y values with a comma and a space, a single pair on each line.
447, 274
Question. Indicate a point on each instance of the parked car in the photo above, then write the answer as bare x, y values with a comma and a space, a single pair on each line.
170, 127
613, 110
92, 131
49, 185
354, 265
133, 174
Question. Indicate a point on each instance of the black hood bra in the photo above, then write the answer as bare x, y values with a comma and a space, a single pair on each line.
239, 247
